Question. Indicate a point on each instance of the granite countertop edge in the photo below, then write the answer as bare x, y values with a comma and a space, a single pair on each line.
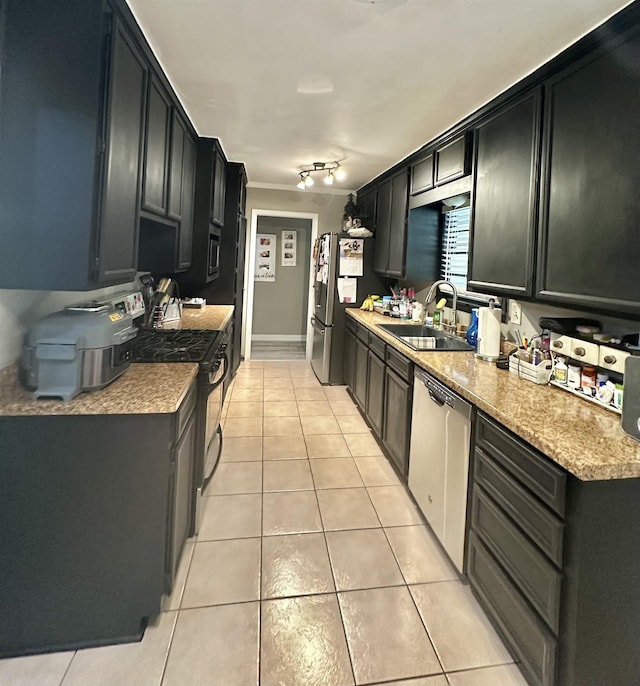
586, 440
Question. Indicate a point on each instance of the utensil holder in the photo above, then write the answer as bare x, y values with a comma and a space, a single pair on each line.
537, 373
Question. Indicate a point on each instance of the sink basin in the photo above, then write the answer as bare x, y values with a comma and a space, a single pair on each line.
419, 337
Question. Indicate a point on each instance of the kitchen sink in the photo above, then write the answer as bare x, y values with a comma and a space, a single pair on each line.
419, 337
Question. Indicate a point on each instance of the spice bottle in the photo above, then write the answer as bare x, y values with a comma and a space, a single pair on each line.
574, 375
560, 370
588, 377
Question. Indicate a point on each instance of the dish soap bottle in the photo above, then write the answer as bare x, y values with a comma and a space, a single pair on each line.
472, 331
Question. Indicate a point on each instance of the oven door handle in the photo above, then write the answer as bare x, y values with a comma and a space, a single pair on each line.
212, 386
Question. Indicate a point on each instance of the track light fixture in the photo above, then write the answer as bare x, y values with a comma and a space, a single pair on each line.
332, 170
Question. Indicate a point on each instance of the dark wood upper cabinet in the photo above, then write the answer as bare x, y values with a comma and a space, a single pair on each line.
72, 112
422, 175
391, 225
156, 158
504, 212
188, 190
589, 249
452, 160
367, 206
383, 227
176, 162
218, 185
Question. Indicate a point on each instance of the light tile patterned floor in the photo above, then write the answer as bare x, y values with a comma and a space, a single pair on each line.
312, 567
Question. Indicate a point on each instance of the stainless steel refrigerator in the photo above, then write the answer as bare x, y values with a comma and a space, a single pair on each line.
329, 313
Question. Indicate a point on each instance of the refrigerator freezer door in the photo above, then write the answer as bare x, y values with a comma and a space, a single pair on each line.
321, 351
325, 289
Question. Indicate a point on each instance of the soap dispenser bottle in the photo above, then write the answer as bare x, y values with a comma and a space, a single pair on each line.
472, 331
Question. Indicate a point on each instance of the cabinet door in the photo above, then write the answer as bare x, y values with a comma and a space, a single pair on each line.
375, 393
505, 199
180, 510
154, 188
398, 233
589, 250
118, 236
218, 188
398, 395
452, 160
360, 387
176, 162
367, 203
188, 188
422, 175
349, 359
383, 227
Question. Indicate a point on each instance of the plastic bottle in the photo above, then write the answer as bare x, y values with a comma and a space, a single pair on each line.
588, 379
574, 376
560, 370
472, 331
436, 319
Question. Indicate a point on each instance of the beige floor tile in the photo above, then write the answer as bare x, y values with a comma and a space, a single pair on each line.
438, 680
231, 516
346, 508
344, 407
287, 475
326, 446
503, 675
251, 364
35, 670
302, 643
244, 395
215, 646
242, 427
282, 426
362, 559
314, 408
279, 382
338, 472
281, 409
247, 409
248, 382
278, 394
128, 663
336, 393
284, 448
353, 424
377, 652
241, 449
295, 565
362, 445
376, 471
308, 381
419, 555
294, 512
223, 572
310, 394
459, 629
276, 373
393, 505
232, 478
325, 424
173, 601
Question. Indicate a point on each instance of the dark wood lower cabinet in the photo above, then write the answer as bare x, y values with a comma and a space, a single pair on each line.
360, 381
349, 370
398, 397
375, 392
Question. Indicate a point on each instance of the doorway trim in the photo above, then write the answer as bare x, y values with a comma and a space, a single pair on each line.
247, 315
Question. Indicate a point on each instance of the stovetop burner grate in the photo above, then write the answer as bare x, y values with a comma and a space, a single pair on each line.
174, 345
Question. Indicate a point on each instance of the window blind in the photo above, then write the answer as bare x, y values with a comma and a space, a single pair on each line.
455, 247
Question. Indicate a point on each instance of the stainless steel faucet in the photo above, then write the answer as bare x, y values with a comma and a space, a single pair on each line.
434, 289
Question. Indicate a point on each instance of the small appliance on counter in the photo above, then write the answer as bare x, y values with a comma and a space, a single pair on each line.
81, 348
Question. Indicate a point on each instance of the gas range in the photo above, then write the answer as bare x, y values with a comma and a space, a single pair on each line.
178, 345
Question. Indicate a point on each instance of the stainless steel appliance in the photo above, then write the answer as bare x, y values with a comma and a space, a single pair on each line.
328, 318
208, 349
439, 461
81, 348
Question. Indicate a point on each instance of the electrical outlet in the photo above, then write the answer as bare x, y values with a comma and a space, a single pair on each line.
515, 313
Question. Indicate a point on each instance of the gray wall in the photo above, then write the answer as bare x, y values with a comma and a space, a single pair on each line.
280, 307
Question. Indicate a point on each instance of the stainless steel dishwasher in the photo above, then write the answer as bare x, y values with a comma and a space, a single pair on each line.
439, 460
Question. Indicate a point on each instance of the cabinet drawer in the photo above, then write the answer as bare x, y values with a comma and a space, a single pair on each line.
185, 410
537, 579
363, 334
542, 527
537, 473
561, 344
529, 639
400, 364
377, 345
612, 359
585, 352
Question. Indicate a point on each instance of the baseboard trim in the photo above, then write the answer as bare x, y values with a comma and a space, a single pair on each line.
278, 338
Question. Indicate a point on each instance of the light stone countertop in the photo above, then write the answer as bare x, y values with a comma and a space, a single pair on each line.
588, 441
144, 388
212, 317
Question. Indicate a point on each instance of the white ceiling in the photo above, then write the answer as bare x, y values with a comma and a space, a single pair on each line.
285, 83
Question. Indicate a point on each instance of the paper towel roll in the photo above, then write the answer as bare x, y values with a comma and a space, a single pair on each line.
488, 333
